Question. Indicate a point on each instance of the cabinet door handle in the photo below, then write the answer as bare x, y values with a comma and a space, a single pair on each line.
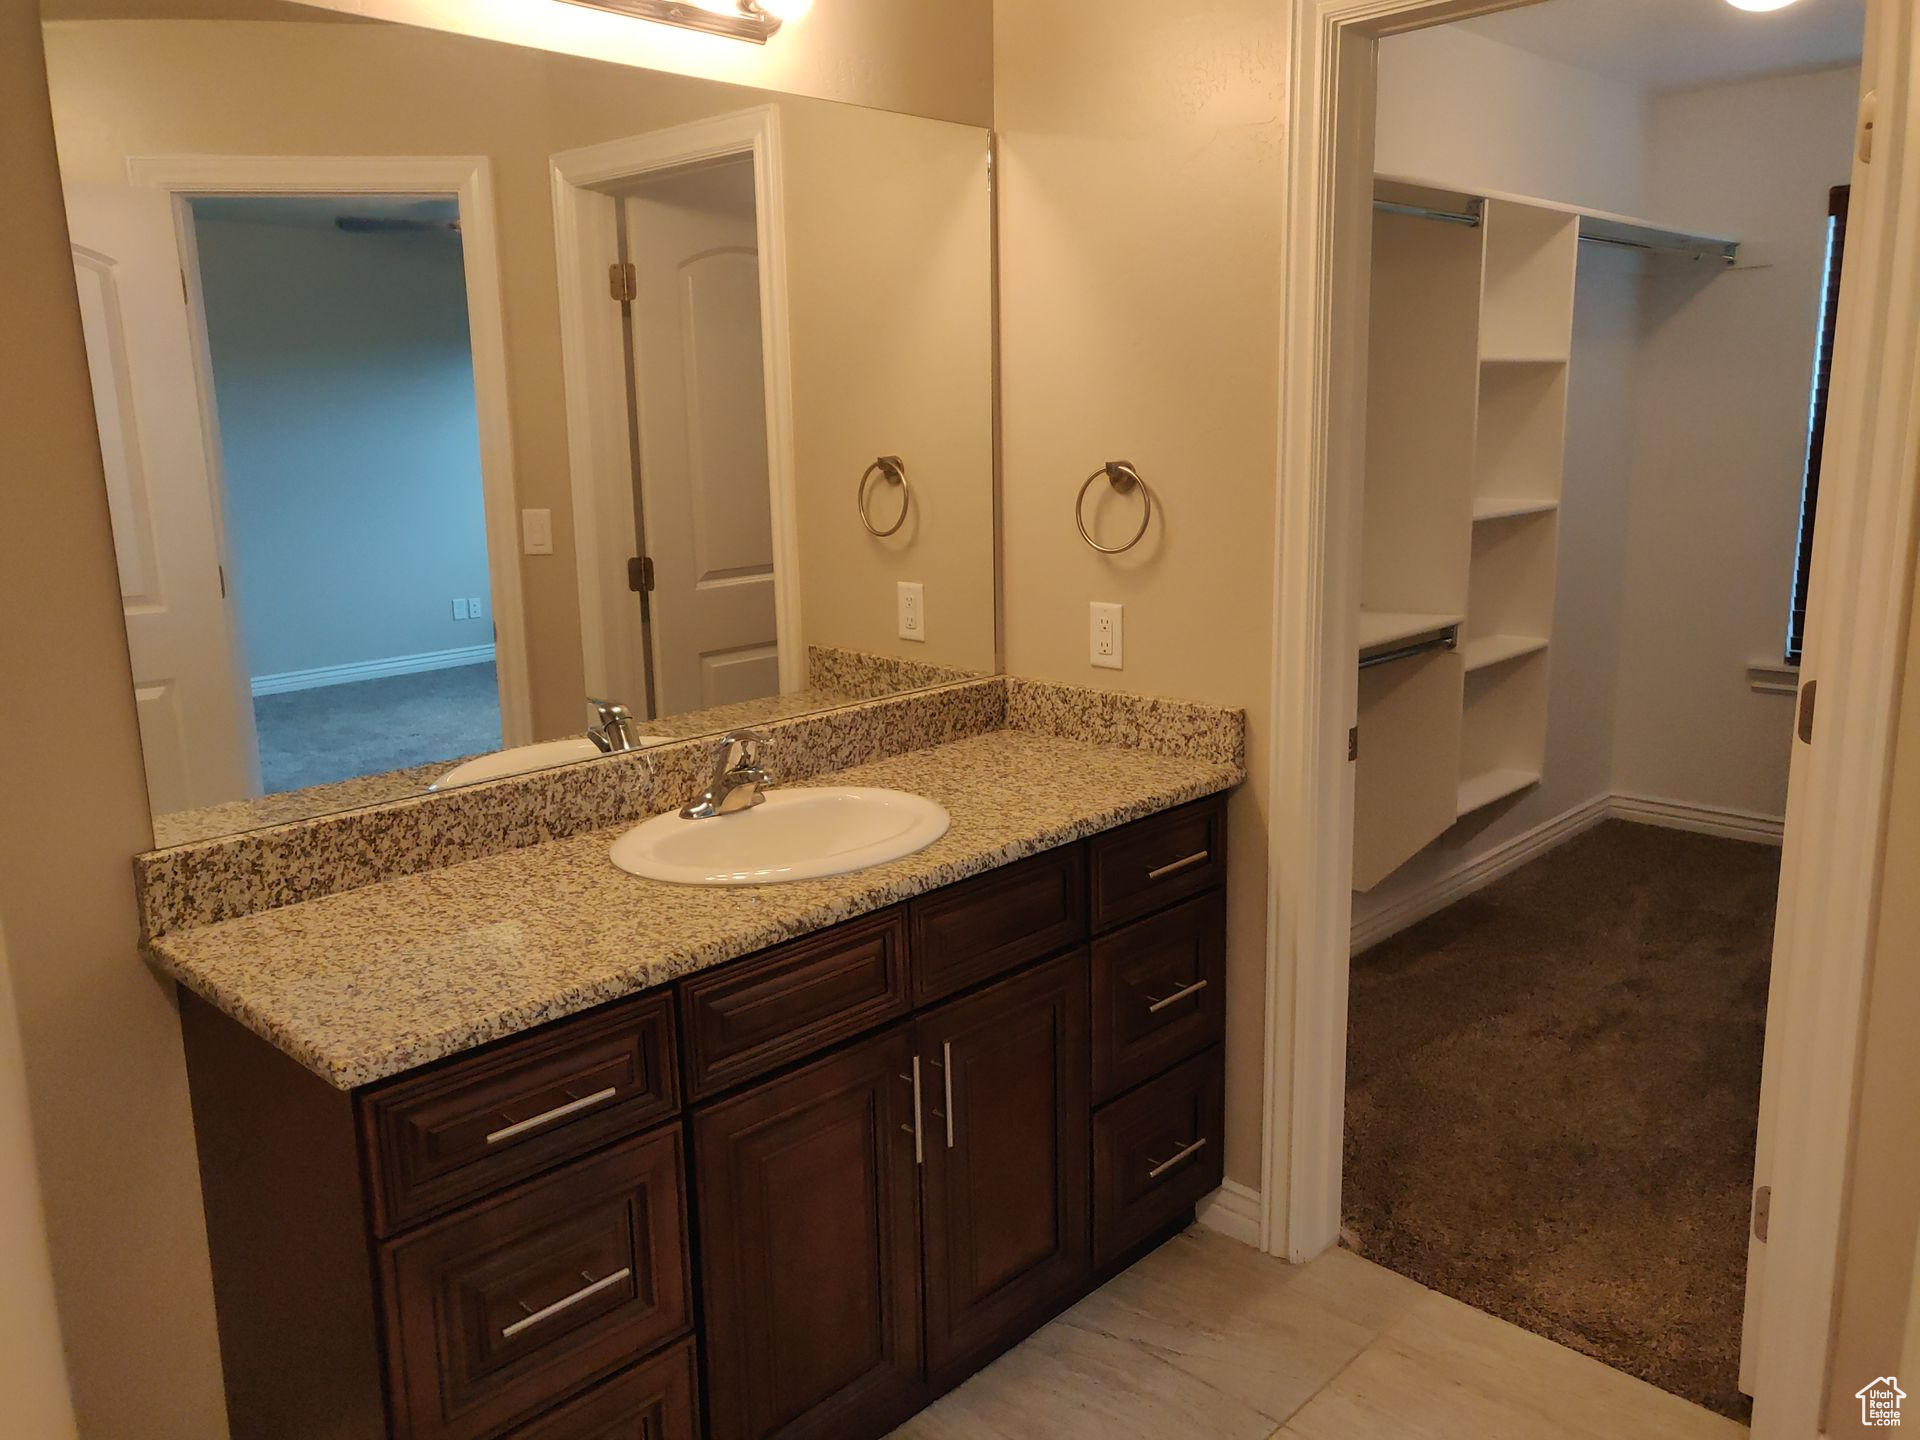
946, 1075
566, 1302
1185, 862
547, 1117
919, 1149
1185, 1153
1184, 992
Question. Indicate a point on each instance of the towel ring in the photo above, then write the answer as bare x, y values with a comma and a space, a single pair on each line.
890, 469
1123, 477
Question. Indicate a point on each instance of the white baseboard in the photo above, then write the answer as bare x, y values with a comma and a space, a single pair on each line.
288, 680
1478, 872
1703, 819
1233, 1211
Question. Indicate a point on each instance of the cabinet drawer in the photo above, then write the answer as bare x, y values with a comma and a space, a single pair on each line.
982, 927
456, 1133
746, 1018
652, 1401
1159, 993
1153, 862
496, 1313
1156, 1154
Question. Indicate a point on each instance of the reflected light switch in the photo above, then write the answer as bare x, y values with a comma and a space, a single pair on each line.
536, 532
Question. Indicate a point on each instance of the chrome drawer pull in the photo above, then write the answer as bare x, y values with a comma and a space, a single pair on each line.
1174, 999
919, 1145
1174, 1159
585, 1292
547, 1117
1174, 867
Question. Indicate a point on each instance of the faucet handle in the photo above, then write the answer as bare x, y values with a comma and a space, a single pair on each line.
746, 743
608, 711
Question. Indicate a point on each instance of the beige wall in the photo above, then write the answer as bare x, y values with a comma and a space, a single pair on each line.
33, 1371
1720, 437
184, 87
892, 359
923, 58
1140, 161
97, 1029
1878, 1275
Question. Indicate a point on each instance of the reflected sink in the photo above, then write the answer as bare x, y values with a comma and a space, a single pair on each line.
521, 759
793, 835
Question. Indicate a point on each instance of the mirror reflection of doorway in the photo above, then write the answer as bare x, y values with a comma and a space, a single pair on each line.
703, 509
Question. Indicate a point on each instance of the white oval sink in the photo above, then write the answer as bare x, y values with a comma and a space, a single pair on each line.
522, 759
792, 835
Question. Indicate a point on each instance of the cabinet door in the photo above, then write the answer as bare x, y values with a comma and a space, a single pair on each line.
809, 1248
1004, 1076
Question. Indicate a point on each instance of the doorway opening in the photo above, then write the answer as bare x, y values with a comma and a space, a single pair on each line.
335, 328
1482, 696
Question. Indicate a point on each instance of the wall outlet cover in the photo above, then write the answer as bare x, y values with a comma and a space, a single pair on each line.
1104, 636
474, 608
912, 600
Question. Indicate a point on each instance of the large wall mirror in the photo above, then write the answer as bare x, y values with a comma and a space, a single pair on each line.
467, 409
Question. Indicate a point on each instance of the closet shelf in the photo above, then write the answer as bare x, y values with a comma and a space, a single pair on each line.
1525, 359
1384, 627
1485, 650
1479, 791
1509, 507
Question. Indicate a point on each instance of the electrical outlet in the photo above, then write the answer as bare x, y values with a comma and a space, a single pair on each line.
1104, 636
913, 610
536, 532
459, 608
474, 608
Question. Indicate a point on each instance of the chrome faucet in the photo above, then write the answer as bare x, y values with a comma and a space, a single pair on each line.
737, 780
617, 731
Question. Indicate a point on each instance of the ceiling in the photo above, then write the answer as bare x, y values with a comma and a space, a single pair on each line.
1681, 44
188, 10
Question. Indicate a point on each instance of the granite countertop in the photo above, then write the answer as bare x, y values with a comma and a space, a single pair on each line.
372, 982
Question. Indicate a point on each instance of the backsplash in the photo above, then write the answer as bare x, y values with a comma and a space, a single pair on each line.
214, 880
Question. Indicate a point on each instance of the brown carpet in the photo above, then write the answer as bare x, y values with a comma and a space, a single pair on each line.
1552, 1091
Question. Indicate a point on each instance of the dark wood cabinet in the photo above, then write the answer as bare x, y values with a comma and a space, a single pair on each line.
799, 1194
495, 1312
810, 1247
1005, 1119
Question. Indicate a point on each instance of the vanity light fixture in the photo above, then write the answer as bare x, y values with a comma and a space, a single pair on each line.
1758, 5
753, 20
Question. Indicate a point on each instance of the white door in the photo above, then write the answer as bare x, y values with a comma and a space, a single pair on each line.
700, 385
194, 703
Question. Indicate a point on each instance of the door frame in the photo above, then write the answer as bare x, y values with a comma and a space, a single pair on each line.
592, 353
468, 178
1836, 805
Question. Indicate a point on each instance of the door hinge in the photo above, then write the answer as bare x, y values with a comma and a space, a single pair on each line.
1803, 727
1863, 127
1353, 742
1762, 1211
640, 574
623, 281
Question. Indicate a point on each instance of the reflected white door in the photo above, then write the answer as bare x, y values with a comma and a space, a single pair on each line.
700, 386
194, 703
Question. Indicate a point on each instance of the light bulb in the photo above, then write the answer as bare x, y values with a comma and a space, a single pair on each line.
1758, 5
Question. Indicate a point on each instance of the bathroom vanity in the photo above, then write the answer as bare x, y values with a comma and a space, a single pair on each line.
800, 1192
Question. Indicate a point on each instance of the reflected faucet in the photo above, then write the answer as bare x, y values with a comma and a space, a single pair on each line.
617, 731
737, 779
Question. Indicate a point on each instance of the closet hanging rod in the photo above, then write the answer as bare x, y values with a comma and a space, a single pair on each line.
1726, 252
1448, 640
1422, 212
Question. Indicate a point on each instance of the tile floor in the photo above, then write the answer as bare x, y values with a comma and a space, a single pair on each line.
1207, 1338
